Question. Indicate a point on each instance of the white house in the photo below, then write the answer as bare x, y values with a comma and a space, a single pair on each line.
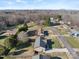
75, 33
52, 20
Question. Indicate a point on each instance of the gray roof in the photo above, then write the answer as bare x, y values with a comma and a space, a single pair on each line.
40, 57
74, 32
39, 43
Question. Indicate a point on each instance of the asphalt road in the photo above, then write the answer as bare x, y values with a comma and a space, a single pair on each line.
66, 44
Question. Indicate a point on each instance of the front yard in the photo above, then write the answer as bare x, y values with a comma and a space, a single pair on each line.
55, 42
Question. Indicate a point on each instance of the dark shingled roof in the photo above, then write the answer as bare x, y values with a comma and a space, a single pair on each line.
40, 57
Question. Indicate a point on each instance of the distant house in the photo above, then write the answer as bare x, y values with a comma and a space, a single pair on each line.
52, 20
10, 32
41, 57
40, 44
32, 32
75, 33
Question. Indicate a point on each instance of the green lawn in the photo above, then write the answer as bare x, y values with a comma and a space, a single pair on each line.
73, 42
62, 31
56, 43
2, 41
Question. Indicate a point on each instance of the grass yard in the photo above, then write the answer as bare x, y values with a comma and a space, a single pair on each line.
34, 27
62, 31
55, 41
74, 42
2, 41
31, 24
59, 55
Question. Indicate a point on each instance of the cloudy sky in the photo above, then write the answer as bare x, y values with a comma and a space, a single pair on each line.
39, 4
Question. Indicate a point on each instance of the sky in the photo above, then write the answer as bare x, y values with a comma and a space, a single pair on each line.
39, 4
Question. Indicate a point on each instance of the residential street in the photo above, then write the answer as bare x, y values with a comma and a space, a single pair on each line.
66, 44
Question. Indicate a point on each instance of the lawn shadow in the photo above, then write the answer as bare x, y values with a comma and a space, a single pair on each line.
23, 45
49, 44
32, 33
1, 57
17, 52
56, 57
2, 37
54, 24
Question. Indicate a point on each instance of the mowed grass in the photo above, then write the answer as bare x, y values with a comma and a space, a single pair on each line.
74, 42
62, 31
55, 42
59, 55
2, 41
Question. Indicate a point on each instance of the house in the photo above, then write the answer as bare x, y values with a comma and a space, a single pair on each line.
41, 57
75, 33
40, 44
10, 32
52, 20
